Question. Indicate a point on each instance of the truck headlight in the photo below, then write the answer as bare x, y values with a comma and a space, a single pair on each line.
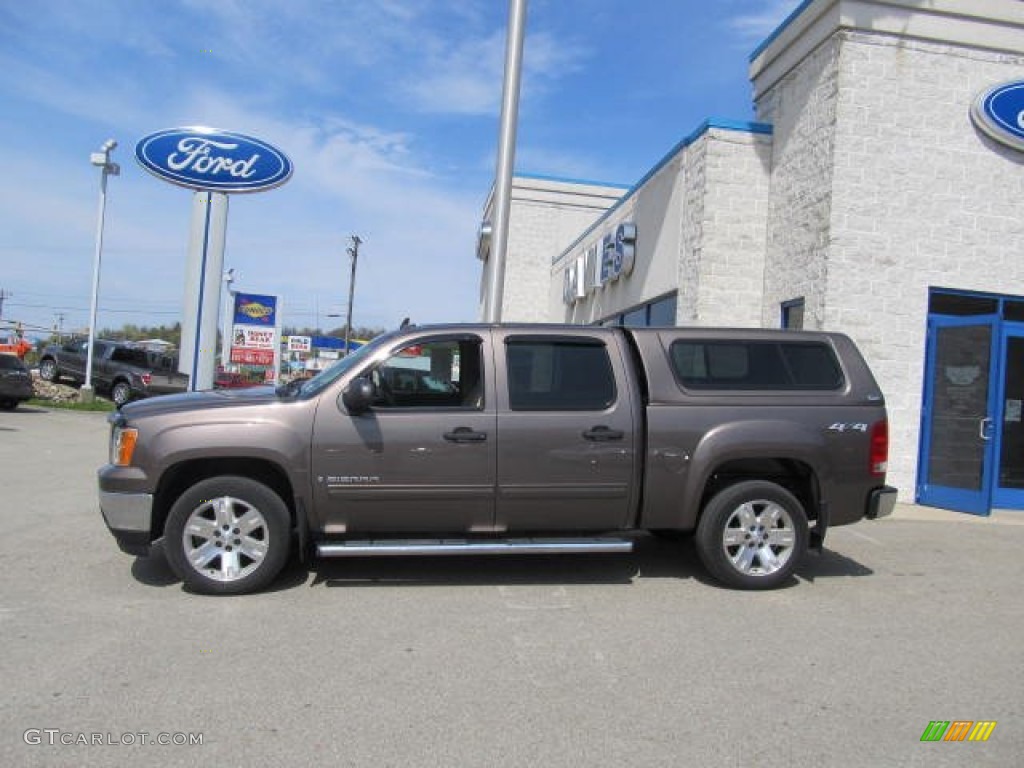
122, 445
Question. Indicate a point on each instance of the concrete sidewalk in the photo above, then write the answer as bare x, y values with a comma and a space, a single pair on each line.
906, 511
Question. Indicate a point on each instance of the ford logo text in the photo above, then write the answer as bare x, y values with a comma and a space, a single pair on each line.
212, 160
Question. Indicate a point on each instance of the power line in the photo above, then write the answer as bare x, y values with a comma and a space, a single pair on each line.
66, 308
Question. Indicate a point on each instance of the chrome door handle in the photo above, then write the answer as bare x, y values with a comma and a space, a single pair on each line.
603, 434
983, 426
465, 435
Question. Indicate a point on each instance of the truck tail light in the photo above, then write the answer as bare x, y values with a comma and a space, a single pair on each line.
879, 460
146, 378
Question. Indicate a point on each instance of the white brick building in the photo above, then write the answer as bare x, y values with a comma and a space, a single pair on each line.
864, 199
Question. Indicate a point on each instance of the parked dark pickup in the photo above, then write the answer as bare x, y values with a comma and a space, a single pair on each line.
511, 439
124, 371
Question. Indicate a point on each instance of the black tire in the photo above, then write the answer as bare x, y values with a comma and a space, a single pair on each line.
237, 502
752, 535
48, 370
8, 405
121, 393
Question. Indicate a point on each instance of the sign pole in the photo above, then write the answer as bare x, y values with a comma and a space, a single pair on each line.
202, 289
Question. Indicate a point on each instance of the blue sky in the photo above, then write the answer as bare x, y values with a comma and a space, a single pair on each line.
387, 108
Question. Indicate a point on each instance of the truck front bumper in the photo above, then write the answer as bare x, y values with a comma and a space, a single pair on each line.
128, 515
881, 502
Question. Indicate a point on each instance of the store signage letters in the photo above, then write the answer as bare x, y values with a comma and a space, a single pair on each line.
601, 264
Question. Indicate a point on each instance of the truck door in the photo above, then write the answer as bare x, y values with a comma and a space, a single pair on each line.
422, 459
566, 423
74, 357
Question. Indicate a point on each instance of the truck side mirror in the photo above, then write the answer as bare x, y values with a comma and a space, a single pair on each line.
359, 395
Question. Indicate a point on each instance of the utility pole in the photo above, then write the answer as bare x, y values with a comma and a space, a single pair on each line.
353, 252
3, 295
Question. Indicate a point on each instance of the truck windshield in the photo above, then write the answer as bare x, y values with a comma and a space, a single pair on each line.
328, 376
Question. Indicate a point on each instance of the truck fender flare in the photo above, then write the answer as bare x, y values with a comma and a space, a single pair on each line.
751, 439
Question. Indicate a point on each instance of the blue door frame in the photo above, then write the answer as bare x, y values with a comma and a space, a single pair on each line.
955, 466
1008, 490
964, 418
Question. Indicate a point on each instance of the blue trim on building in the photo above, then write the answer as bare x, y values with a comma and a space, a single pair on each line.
562, 180
743, 126
779, 29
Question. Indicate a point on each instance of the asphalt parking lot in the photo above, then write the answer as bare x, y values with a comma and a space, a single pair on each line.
601, 660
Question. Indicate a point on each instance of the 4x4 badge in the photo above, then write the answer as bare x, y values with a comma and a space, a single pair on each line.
852, 426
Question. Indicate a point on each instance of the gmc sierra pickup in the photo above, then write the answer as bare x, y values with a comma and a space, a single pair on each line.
479, 439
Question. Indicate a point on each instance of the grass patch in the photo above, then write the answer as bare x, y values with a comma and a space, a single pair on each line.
101, 406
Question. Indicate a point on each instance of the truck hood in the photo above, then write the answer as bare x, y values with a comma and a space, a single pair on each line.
200, 401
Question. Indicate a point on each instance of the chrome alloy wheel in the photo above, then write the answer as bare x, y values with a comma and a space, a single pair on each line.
225, 539
759, 537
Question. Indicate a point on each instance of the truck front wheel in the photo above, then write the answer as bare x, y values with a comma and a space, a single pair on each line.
752, 535
227, 535
48, 369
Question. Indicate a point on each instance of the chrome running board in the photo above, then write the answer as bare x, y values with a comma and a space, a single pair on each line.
533, 546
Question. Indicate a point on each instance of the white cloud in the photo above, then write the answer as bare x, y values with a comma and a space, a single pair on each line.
352, 178
561, 164
466, 77
758, 24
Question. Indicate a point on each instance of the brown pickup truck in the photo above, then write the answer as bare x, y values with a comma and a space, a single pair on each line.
511, 439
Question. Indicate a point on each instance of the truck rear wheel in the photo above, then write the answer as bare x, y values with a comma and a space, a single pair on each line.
752, 535
227, 535
121, 393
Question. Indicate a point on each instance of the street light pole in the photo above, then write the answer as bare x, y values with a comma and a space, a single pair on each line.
101, 160
506, 157
353, 252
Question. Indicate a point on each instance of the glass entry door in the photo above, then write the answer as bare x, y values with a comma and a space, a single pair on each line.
958, 422
1009, 448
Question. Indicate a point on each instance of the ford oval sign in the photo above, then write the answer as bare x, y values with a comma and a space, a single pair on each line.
999, 112
212, 160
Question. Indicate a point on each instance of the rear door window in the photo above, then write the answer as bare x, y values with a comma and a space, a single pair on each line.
559, 375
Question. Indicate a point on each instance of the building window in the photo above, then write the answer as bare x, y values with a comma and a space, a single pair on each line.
961, 304
636, 318
793, 314
660, 312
